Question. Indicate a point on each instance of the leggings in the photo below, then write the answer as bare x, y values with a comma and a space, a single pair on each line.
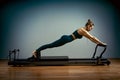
63, 40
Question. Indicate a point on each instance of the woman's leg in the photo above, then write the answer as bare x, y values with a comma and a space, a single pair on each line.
63, 40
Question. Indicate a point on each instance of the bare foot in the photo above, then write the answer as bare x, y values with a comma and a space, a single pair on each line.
34, 53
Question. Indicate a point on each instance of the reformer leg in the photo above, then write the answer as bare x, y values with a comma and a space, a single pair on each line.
99, 62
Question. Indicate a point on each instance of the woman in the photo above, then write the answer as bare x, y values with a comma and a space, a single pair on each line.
78, 34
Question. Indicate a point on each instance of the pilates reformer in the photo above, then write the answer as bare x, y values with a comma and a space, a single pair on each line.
58, 60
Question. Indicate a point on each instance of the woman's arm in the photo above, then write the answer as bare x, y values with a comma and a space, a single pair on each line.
83, 32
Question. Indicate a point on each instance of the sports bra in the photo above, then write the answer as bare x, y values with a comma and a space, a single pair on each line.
77, 35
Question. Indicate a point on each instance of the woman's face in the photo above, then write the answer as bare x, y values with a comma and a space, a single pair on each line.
89, 27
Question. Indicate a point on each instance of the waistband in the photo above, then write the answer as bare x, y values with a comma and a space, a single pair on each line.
73, 36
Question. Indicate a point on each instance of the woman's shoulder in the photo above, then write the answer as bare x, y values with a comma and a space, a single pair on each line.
82, 31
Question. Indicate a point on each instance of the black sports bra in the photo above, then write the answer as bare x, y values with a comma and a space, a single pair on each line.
77, 35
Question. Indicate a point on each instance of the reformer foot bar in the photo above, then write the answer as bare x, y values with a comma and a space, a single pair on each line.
58, 60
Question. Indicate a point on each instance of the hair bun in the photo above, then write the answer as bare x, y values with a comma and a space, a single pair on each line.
89, 20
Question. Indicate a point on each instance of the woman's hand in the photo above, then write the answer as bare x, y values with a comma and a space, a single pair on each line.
103, 44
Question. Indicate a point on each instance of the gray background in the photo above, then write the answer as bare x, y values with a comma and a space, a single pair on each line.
29, 24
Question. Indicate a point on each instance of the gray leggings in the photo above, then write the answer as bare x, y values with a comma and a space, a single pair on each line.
63, 40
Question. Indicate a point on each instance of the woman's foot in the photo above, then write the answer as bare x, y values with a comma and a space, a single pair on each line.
35, 56
34, 53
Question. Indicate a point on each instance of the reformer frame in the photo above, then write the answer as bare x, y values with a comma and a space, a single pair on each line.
58, 60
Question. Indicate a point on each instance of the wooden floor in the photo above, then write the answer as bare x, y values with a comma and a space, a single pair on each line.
111, 72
